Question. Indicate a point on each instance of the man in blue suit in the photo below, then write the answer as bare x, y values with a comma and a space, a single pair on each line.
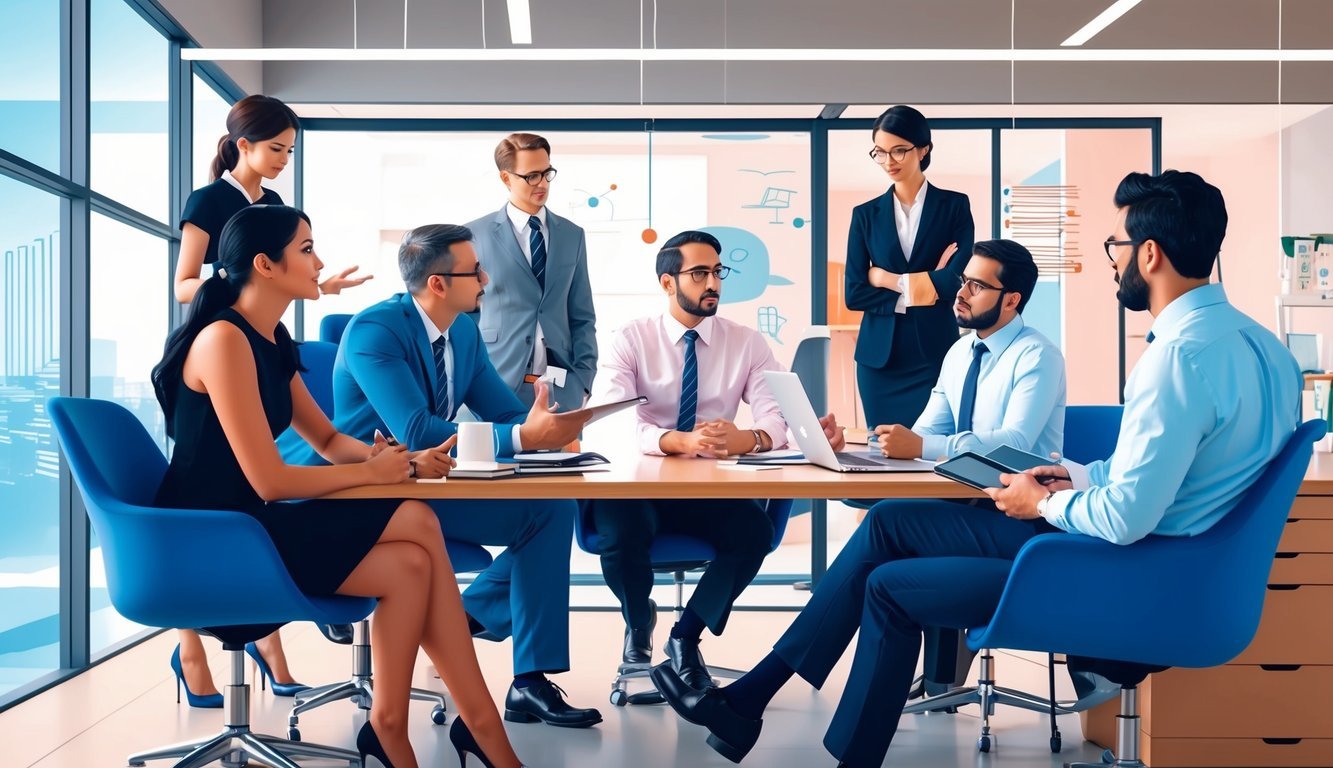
539, 315
405, 366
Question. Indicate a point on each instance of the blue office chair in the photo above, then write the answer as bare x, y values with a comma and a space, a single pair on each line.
188, 568
674, 554
1091, 432
331, 328
1175, 601
317, 358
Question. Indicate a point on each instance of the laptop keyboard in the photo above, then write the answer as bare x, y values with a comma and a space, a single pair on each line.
852, 460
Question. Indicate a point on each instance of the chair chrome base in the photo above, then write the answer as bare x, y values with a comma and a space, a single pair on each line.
237, 745
1126, 753
360, 689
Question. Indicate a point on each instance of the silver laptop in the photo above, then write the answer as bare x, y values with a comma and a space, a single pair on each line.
804, 425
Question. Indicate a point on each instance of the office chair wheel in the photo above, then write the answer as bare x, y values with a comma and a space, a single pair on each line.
984, 744
437, 715
293, 734
619, 698
1056, 744
1108, 757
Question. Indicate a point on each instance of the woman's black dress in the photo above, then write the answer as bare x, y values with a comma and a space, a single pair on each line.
321, 541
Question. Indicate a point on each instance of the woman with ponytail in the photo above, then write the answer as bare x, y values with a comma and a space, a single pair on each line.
228, 380
261, 134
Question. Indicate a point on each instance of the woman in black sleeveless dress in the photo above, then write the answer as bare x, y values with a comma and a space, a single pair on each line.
228, 385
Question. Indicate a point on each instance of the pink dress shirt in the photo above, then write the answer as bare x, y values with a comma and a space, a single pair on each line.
647, 358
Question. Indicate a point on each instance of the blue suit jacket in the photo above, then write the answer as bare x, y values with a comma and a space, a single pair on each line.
514, 302
873, 241
384, 378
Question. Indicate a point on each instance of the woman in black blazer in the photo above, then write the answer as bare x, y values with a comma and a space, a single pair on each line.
905, 286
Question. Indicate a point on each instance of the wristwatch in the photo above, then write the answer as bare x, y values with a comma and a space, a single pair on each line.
411, 469
1044, 503
758, 441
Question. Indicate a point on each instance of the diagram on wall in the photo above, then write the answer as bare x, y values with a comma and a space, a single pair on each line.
748, 257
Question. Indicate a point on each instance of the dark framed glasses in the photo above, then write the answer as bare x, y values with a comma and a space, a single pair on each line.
700, 275
536, 176
1111, 242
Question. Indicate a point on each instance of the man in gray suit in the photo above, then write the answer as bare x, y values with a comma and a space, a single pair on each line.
538, 312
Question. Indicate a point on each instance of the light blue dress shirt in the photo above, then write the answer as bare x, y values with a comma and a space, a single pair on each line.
1213, 399
1020, 396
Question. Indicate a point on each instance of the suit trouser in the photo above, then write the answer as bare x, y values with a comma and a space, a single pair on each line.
525, 592
910, 564
739, 530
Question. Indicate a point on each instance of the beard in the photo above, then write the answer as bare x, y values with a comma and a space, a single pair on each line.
982, 321
696, 307
1133, 290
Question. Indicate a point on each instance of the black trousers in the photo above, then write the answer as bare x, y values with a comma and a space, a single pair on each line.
739, 530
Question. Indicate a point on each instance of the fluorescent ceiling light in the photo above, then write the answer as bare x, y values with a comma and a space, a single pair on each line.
1104, 19
751, 54
520, 22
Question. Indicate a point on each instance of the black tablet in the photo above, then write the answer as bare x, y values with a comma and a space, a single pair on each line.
1019, 461
974, 470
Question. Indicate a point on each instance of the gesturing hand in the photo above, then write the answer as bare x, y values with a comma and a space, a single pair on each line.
334, 285
435, 462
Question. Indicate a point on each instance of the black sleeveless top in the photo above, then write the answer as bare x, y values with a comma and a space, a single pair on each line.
209, 208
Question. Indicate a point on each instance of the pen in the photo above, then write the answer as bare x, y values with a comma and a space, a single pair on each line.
390, 440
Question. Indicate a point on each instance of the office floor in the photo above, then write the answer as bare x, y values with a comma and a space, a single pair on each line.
129, 704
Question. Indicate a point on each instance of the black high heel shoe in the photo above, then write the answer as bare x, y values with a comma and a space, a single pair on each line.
466, 744
368, 744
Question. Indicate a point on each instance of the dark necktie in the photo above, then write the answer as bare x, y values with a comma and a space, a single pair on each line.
689, 386
969, 400
537, 245
441, 379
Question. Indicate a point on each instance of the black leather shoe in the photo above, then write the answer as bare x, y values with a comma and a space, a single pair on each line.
337, 633
639, 642
545, 701
688, 663
730, 734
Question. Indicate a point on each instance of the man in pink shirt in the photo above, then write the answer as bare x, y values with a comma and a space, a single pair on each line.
695, 369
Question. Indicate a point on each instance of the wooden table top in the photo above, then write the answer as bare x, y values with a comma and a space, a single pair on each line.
650, 477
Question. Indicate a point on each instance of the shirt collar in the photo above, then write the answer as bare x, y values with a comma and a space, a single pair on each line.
432, 332
1168, 323
227, 177
519, 217
998, 342
916, 206
675, 331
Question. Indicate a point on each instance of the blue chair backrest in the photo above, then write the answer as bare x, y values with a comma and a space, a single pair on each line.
317, 358
175, 567
1091, 431
331, 328
810, 364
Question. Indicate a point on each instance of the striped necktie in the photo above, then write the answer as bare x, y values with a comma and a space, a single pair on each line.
441, 378
537, 245
689, 386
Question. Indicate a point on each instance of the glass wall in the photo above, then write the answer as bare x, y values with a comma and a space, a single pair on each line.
29, 463
30, 89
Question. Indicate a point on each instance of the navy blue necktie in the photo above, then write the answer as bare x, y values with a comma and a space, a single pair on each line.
537, 245
441, 379
689, 386
969, 401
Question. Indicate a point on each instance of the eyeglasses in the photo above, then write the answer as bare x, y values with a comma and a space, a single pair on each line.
476, 273
700, 275
973, 287
1111, 242
881, 156
536, 176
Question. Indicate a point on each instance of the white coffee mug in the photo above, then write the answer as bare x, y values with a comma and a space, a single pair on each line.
476, 442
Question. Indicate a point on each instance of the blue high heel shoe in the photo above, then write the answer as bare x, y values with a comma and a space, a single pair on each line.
266, 675
209, 701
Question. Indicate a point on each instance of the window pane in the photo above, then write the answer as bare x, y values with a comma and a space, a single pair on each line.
128, 324
29, 464
210, 123
128, 84
30, 89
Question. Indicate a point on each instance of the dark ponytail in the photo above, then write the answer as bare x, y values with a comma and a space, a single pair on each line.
256, 229
254, 118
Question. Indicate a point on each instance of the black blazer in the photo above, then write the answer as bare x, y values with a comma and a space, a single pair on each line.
873, 241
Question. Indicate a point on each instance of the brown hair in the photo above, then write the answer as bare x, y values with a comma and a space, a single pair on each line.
254, 118
508, 148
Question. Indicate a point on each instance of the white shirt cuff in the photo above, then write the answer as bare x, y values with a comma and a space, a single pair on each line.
934, 447
650, 441
901, 306
516, 438
1078, 474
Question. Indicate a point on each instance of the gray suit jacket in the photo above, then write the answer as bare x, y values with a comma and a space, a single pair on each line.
514, 302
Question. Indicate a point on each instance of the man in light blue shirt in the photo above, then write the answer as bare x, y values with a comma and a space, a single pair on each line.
1017, 395
1208, 406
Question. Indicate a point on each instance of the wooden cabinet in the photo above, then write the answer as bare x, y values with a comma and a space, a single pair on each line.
1270, 706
